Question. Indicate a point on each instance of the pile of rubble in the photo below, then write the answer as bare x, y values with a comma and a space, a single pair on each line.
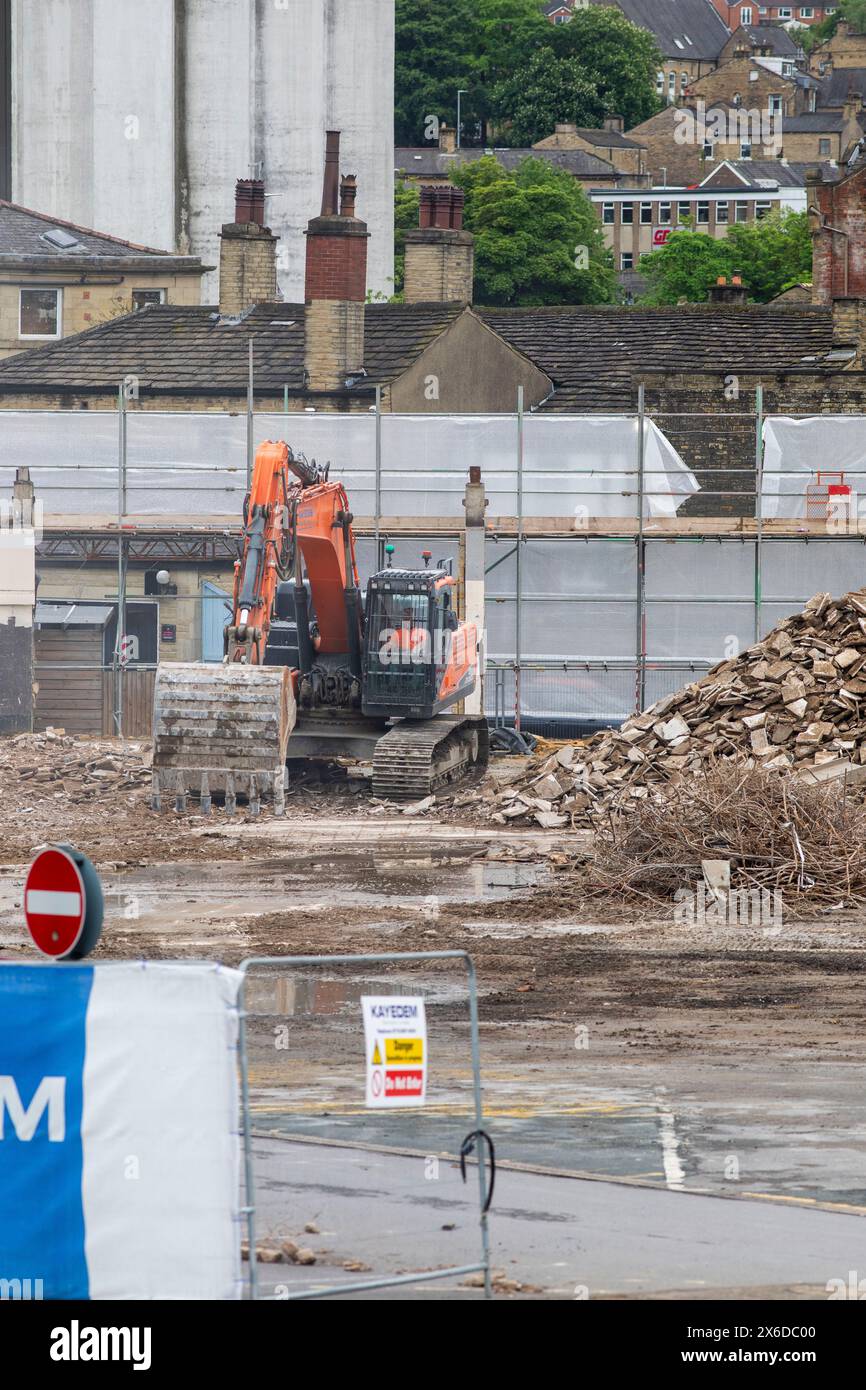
55, 764
791, 703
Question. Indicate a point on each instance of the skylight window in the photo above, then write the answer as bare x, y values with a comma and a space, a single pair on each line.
62, 240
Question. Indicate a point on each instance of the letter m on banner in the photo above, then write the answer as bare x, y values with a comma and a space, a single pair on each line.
50, 1095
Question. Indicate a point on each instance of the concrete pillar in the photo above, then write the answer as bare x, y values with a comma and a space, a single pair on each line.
475, 503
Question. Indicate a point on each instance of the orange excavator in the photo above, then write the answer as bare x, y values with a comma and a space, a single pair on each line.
312, 671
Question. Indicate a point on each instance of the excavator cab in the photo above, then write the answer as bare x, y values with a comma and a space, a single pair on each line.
418, 659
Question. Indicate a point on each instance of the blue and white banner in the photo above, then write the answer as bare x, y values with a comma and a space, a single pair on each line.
119, 1145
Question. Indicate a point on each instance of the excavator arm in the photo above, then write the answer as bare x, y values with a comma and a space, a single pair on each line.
292, 514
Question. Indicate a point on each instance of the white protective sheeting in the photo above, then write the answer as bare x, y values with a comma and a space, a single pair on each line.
796, 450
159, 1131
194, 465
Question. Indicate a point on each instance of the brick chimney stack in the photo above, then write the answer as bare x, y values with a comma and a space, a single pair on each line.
336, 280
248, 260
440, 255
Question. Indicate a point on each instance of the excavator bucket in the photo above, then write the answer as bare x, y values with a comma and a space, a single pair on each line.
223, 729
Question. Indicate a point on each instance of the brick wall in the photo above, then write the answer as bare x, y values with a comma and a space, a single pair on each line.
843, 206
334, 342
715, 434
248, 267
736, 78
439, 266
336, 266
89, 305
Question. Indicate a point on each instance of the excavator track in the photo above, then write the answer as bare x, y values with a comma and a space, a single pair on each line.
417, 757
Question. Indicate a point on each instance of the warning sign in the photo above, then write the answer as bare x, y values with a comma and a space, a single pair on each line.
395, 1040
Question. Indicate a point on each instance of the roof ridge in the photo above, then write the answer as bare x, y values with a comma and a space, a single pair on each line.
88, 231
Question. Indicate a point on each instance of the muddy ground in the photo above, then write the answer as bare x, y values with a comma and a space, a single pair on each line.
614, 1039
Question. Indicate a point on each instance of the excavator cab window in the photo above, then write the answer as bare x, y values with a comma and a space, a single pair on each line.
399, 666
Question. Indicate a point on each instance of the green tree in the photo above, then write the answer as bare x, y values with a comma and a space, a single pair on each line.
770, 255
443, 45
537, 238
527, 105
620, 60
810, 36
596, 64
406, 201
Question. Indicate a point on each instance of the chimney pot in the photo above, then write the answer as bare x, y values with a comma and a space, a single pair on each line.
425, 207
331, 181
458, 198
442, 207
348, 194
250, 201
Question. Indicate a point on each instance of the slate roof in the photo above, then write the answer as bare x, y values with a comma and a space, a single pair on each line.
833, 89
754, 172
771, 36
594, 354
179, 349
611, 139
23, 238
422, 162
683, 28
812, 120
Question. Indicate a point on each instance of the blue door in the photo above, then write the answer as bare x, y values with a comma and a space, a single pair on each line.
214, 616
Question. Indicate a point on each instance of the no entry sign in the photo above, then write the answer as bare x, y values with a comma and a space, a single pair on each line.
63, 903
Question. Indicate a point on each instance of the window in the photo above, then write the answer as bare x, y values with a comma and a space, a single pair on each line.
775, 105
745, 149
761, 209
660, 82
684, 81
142, 298
646, 213
721, 212
40, 313
607, 214
672, 85
627, 213
787, 69
703, 212
708, 149
806, 12
745, 15
664, 214
785, 12
741, 212
684, 210
824, 147
626, 260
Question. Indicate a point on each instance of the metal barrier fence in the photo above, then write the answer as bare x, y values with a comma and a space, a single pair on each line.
477, 1134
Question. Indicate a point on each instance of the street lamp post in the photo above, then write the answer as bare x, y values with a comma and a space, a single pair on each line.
461, 92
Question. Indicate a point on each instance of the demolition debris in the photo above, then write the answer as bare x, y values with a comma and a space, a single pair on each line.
792, 703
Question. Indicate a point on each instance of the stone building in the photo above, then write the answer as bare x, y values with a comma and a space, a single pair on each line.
57, 279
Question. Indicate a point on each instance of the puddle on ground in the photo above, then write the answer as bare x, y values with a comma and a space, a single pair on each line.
249, 888
290, 994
